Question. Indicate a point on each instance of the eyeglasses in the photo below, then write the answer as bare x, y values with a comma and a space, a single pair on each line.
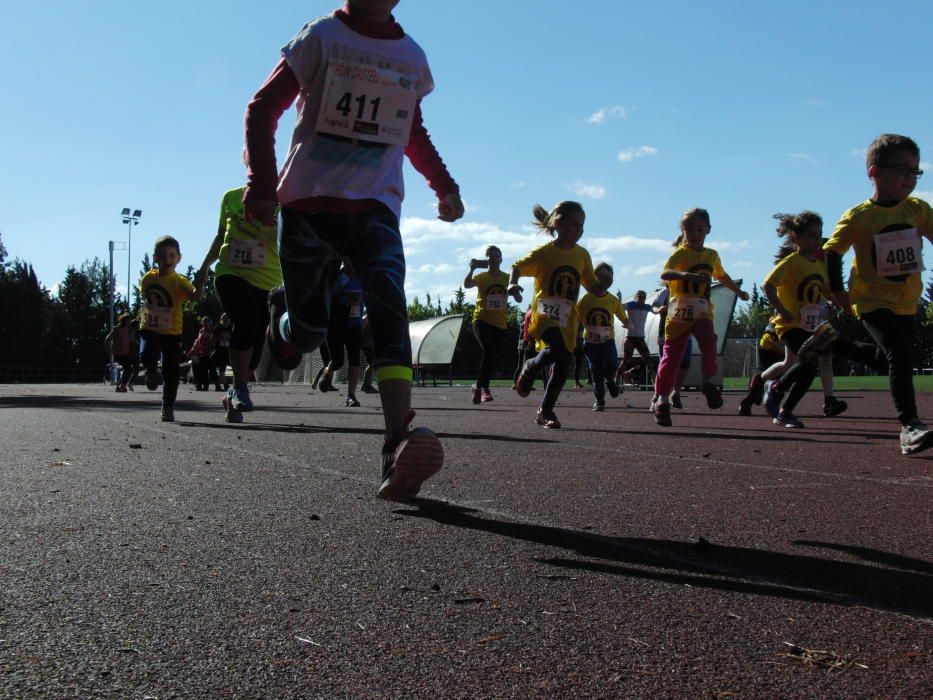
904, 171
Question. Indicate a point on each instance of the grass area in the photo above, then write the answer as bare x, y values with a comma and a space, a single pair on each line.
924, 383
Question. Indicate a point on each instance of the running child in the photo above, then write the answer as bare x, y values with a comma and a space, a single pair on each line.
770, 352
164, 293
119, 343
885, 284
794, 288
200, 353
659, 306
559, 268
359, 81
689, 272
597, 313
637, 311
345, 332
489, 315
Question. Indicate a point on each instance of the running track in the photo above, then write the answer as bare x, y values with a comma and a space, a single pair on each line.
611, 558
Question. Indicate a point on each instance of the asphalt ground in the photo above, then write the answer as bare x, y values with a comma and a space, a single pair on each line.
722, 557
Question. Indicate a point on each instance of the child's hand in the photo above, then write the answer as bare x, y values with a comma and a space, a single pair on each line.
786, 317
841, 299
261, 211
450, 208
694, 278
743, 295
515, 291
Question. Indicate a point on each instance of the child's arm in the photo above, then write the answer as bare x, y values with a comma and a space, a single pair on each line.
427, 161
213, 252
514, 290
468, 281
671, 275
727, 282
262, 118
771, 292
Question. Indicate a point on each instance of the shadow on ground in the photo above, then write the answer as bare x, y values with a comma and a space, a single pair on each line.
707, 565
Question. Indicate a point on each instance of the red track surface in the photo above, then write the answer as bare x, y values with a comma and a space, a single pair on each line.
611, 558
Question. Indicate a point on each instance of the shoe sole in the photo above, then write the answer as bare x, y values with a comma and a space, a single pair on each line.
663, 418
233, 414
419, 457
287, 364
793, 426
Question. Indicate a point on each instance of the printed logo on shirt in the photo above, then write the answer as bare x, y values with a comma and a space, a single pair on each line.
810, 289
157, 295
701, 289
496, 297
599, 317
565, 283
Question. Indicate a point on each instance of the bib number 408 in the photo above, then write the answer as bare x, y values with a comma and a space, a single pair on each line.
899, 256
345, 106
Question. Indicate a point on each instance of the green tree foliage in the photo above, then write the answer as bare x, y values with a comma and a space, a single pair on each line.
25, 306
83, 312
749, 321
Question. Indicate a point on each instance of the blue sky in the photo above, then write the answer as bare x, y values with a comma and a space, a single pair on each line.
638, 110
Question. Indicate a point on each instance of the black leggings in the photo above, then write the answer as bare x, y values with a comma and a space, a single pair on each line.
801, 375
895, 335
248, 310
490, 339
554, 355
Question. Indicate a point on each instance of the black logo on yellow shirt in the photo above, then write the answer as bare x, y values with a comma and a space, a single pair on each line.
810, 289
701, 289
157, 295
495, 289
599, 317
565, 282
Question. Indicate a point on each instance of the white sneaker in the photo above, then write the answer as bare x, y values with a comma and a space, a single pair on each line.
915, 437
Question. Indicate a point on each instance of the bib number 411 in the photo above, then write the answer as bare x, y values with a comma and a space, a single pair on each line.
346, 103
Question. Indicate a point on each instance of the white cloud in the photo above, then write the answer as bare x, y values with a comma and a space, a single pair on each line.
605, 114
859, 153
654, 268
924, 194
590, 191
630, 154
728, 245
799, 156
520, 185
926, 166
601, 246
441, 269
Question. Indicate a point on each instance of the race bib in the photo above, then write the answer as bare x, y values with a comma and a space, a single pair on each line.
245, 252
495, 302
555, 308
367, 101
810, 317
687, 308
898, 253
157, 318
597, 334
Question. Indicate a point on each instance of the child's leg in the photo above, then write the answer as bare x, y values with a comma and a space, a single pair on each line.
351, 341
670, 362
556, 355
705, 333
776, 369
894, 334
379, 260
801, 376
171, 357
826, 374
595, 359
150, 348
487, 338
310, 269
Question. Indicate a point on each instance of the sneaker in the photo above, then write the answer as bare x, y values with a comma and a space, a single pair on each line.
369, 389
756, 389
408, 459
613, 388
168, 414
773, 398
119, 389
787, 419
915, 437
653, 404
234, 415
662, 414
152, 380
325, 385
239, 395
486, 396
317, 377
833, 406
713, 395
599, 406
351, 402
477, 394
677, 403
745, 408
547, 419
526, 379
130, 387
284, 354
626, 377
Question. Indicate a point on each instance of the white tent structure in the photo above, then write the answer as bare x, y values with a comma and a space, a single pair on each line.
433, 342
723, 301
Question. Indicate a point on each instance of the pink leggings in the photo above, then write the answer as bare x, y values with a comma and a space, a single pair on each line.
705, 334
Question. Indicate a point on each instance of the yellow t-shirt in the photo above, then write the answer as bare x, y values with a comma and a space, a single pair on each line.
800, 284
596, 316
249, 251
492, 302
558, 274
869, 227
690, 302
163, 300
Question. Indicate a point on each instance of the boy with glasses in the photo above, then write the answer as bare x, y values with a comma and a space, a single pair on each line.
887, 232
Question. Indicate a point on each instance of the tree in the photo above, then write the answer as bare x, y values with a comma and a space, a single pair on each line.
24, 310
750, 321
84, 296
418, 311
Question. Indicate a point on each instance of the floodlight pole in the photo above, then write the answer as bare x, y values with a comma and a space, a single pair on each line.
130, 220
